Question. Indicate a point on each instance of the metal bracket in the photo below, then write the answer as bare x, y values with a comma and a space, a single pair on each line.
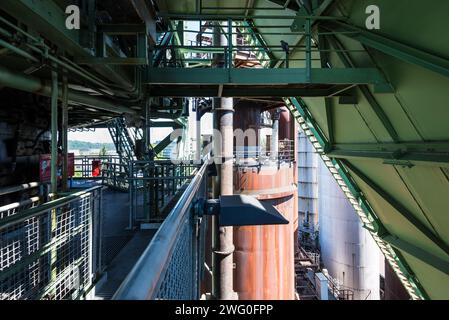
242, 210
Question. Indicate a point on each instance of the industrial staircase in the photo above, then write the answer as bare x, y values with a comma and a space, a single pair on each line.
124, 144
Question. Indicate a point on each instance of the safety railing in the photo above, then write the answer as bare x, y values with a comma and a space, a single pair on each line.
153, 186
338, 291
91, 166
114, 174
52, 251
171, 266
248, 47
14, 199
260, 157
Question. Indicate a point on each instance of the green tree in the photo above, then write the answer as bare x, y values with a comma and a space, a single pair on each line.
103, 151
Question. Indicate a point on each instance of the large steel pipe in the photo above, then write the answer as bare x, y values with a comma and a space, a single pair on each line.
38, 86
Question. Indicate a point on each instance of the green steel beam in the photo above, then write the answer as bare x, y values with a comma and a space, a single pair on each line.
375, 106
239, 91
418, 153
391, 47
421, 254
165, 124
323, 45
239, 17
323, 7
304, 112
358, 200
401, 209
121, 29
111, 61
260, 40
263, 76
162, 145
46, 18
147, 13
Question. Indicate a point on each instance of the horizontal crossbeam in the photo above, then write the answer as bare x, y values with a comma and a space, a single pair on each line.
349, 76
245, 91
391, 47
417, 153
400, 208
417, 252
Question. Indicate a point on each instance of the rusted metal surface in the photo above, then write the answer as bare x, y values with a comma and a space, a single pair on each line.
264, 255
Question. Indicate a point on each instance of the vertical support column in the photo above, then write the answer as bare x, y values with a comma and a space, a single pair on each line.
198, 135
223, 247
54, 167
147, 131
54, 132
309, 50
65, 127
275, 135
230, 48
225, 254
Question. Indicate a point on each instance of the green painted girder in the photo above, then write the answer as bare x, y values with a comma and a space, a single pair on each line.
45, 17
417, 153
311, 123
112, 61
250, 27
357, 199
375, 106
121, 29
242, 91
162, 145
421, 254
401, 209
165, 124
264, 76
391, 47
147, 13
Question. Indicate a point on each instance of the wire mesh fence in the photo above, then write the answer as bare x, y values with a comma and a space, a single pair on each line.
179, 282
172, 267
49, 251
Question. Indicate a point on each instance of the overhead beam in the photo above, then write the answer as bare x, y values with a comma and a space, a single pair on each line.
391, 47
417, 153
163, 144
375, 106
46, 18
423, 255
38, 86
263, 76
238, 92
401, 209
148, 15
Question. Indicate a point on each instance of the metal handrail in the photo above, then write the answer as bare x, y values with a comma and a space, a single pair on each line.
22, 187
154, 261
33, 212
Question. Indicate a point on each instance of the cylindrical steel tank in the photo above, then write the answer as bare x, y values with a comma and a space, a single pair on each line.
264, 255
307, 191
348, 251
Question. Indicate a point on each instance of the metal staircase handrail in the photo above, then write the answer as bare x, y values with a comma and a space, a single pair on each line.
144, 280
